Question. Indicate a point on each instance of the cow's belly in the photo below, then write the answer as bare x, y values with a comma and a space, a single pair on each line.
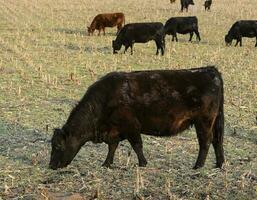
184, 31
250, 34
142, 40
165, 125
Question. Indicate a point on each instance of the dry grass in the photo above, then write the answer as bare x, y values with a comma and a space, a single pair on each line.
46, 64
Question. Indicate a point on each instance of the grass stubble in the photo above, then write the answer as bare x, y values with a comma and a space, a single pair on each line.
46, 64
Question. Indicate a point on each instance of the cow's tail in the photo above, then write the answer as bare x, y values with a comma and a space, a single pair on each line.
218, 132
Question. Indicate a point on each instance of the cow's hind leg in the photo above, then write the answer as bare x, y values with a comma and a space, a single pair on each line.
256, 42
111, 151
158, 46
175, 36
218, 134
191, 36
136, 142
219, 152
205, 135
198, 35
119, 26
172, 38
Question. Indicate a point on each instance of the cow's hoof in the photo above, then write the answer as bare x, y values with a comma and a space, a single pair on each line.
197, 166
106, 164
143, 164
219, 165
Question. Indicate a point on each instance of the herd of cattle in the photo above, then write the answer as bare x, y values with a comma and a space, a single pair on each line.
132, 33
125, 105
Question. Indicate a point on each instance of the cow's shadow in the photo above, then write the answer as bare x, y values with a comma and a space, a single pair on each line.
71, 31
23, 145
103, 50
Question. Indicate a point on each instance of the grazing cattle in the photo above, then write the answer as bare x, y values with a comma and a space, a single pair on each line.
106, 20
182, 25
140, 33
161, 103
185, 4
207, 4
243, 28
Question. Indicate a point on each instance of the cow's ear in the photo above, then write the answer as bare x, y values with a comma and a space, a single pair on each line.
59, 133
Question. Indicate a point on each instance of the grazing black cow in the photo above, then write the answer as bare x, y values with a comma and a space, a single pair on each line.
207, 4
160, 102
242, 28
140, 33
182, 25
185, 4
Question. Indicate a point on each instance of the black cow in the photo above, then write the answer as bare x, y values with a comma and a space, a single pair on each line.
140, 33
160, 102
185, 4
243, 28
182, 25
207, 4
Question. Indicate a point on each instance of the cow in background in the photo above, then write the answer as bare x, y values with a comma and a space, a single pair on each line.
101, 21
207, 4
185, 4
182, 25
140, 33
240, 29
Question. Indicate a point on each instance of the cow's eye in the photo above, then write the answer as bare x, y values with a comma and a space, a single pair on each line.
58, 147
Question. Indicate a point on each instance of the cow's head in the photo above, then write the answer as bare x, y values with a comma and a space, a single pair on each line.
116, 46
228, 39
90, 30
191, 2
64, 149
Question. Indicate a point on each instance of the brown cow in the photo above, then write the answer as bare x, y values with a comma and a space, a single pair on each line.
160, 102
106, 20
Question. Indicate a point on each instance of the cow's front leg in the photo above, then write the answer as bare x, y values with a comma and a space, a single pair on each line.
137, 144
176, 37
104, 30
240, 40
99, 31
110, 156
237, 41
126, 48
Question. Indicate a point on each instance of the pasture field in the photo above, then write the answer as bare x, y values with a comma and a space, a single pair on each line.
46, 64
